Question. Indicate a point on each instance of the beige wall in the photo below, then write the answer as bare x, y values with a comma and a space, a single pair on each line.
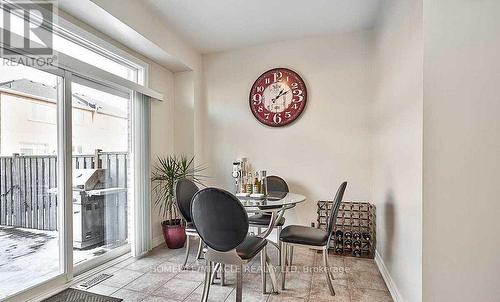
397, 146
328, 144
461, 151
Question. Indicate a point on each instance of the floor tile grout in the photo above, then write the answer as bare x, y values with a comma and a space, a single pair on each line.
350, 291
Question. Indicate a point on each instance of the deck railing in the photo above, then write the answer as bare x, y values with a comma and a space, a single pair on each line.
25, 181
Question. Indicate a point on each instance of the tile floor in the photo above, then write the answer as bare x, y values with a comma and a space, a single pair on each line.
157, 277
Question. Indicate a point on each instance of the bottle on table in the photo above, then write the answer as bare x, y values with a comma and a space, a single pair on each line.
263, 182
256, 184
249, 183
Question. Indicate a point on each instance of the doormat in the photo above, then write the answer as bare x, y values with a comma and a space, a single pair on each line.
75, 295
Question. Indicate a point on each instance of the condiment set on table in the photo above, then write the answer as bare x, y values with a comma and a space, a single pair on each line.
248, 184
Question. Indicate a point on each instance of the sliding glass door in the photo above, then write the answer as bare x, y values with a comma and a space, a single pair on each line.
34, 241
101, 172
29, 204
66, 170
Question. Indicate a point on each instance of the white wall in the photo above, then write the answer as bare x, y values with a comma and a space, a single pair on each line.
184, 113
397, 146
461, 151
328, 144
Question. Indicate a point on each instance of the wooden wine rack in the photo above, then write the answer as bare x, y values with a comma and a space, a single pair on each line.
354, 232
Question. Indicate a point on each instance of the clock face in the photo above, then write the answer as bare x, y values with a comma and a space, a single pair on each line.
278, 97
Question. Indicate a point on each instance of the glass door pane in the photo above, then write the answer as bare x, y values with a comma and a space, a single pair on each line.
29, 235
101, 144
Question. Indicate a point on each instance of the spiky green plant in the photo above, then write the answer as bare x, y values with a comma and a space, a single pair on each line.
166, 172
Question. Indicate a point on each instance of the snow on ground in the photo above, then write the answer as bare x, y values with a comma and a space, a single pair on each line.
28, 257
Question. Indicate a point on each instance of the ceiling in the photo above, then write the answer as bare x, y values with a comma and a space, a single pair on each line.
217, 25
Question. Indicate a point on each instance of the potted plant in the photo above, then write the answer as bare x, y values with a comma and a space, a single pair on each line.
166, 172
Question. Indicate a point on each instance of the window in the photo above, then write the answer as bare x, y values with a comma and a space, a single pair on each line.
28, 176
65, 41
33, 149
42, 113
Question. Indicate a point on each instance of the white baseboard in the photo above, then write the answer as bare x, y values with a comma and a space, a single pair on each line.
393, 289
157, 241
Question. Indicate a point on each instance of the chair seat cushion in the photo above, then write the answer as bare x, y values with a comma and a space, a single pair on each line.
304, 235
250, 247
264, 220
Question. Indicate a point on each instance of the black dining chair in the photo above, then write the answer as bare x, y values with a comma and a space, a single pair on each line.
184, 192
313, 238
222, 223
262, 220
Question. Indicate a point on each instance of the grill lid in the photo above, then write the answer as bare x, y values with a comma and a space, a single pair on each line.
89, 179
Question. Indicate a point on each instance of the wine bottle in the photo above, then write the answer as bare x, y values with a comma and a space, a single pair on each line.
348, 243
357, 244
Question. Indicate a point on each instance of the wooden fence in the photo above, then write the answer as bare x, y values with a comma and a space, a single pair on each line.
25, 181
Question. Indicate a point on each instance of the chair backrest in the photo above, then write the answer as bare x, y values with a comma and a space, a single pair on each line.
219, 218
335, 208
184, 192
277, 184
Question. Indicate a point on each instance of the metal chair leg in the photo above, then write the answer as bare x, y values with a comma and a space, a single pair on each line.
239, 284
284, 249
187, 253
214, 273
279, 244
263, 268
206, 287
223, 274
327, 272
200, 249
290, 263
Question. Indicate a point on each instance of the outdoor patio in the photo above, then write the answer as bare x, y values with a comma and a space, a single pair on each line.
28, 256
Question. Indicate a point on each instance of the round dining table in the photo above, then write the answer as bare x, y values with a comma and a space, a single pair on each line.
274, 204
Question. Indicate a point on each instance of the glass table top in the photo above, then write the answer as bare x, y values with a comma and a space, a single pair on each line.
273, 200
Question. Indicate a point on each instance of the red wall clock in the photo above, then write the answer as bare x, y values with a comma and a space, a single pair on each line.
278, 97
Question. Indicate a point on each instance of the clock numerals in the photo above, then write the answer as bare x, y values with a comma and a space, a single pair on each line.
278, 97
277, 76
257, 99
298, 94
277, 118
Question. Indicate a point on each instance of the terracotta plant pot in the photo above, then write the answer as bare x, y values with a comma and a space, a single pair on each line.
174, 233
